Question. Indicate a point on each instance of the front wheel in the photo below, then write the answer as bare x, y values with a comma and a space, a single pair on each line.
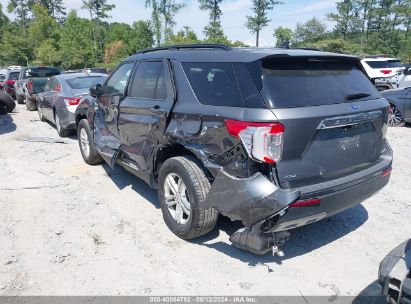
20, 99
40, 112
31, 105
86, 142
183, 185
395, 118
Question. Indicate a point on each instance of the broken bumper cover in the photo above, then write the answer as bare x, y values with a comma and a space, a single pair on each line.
394, 275
255, 199
247, 199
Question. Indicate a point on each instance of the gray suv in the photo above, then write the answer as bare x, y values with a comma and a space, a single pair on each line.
276, 138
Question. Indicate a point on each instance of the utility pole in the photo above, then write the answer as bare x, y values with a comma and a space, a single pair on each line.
186, 28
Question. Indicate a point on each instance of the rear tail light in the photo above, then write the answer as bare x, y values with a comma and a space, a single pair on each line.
72, 101
306, 203
386, 72
262, 141
30, 85
10, 82
386, 172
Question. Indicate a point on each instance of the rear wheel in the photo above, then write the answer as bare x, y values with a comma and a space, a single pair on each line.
8, 103
40, 112
86, 142
62, 132
183, 185
20, 99
30, 105
395, 118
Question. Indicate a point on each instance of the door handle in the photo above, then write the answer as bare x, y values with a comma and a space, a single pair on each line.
156, 107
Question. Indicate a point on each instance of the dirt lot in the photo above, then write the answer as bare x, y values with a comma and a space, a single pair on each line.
70, 229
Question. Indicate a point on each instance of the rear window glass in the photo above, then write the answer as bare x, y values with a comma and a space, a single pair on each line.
42, 72
214, 83
80, 83
395, 64
14, 75
313, 83
378, 64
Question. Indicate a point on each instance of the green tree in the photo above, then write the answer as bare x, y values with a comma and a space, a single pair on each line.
259, 19
76, 48
346, 18
183, 37
55, 8
311, 31
283, 35
98, 10
213, 30
155, 19
168, 9
22, 10
143, 36
120, 32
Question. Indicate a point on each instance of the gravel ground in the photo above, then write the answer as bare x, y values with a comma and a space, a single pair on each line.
67, 228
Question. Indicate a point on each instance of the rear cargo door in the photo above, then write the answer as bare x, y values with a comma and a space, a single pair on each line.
334, 118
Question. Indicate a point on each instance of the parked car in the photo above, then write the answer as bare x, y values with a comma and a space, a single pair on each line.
394, 274
276, 138
61, 96
400, 81
90, 70
400, 106
7, 103
8, 82
31, 82
381, 67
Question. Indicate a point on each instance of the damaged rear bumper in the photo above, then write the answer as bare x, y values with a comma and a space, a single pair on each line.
256, 199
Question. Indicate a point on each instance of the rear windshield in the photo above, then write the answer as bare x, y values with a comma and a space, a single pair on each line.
384, 64
80, 83
289, 84
14, 75
395, 64
43, 72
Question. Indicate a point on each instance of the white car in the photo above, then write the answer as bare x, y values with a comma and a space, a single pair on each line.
381, 67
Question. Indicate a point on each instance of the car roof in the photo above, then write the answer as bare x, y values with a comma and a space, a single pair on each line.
76, 75
218, 54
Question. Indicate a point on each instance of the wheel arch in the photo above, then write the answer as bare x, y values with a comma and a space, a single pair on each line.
175, 149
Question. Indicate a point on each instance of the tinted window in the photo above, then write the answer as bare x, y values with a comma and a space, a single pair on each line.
118, 81
80, 83
311, 83
395, 64
378, 64
41, 72
14, 75
149, 81
214, 83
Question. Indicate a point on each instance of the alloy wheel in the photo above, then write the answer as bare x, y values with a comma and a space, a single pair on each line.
395, 117
177, 199
84, 142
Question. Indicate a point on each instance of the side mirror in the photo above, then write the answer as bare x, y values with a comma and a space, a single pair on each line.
96, 91
407, 71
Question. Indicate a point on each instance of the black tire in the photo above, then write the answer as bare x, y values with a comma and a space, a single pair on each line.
8, 102
200, 221
91, 158
20, 99
61, 131
40, 112
31, 105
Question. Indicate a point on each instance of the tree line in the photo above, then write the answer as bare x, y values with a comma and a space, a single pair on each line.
362, 27
43, 32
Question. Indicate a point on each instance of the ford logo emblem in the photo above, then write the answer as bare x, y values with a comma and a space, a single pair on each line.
355, 107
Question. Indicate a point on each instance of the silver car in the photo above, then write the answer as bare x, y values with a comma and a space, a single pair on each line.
61, 97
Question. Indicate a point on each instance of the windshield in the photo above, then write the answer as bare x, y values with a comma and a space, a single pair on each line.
384, 64
85, 83
289, 84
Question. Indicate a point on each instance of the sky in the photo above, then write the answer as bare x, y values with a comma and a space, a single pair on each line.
233, 19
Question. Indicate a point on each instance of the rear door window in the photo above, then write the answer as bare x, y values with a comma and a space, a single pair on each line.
214, 83
378, 64
149, 82
289, 84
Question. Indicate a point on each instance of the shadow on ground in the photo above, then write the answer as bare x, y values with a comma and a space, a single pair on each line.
7, 124
303, 240
372, 294
122, 179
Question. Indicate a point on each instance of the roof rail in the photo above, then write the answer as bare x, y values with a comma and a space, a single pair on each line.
187, 46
